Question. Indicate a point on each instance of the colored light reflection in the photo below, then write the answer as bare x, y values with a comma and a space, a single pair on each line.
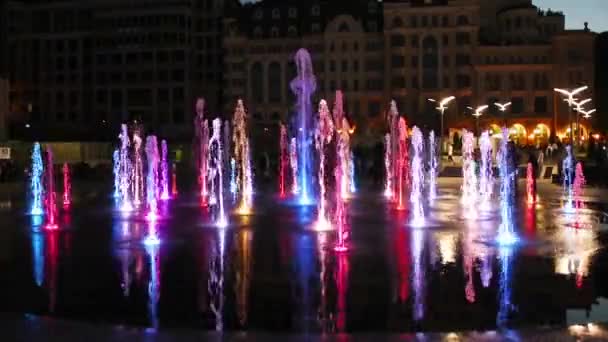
418, 274
153, 283
505, 305
216, 281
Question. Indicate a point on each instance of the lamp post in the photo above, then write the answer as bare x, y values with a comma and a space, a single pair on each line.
586, 115
442, 106
578, 108
477, 113
503, 108
570, 94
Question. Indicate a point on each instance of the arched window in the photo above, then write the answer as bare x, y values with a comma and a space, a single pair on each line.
258, 14
463, 20
430, 63
343, 28
397, 22
257, 82
274, 32
275, 88
292, 31
276, 14
293, 12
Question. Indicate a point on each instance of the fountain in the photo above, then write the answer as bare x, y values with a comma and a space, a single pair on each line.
486, 178
283, 160
388, 167
303, 86
417, 210
323, 136
124, 170
138, 167
344, 154
174, 191
433, 165
215, 174
567, 171
505, 306
293, 163
50, 198
116, 171
67, 186
530, 184
351, 167
403, 164
469, 177
164, 172
242, 158
579, 182
506, 234
152, 177
36, 183
201, 129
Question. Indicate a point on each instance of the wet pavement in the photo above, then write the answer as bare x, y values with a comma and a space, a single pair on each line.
270, 273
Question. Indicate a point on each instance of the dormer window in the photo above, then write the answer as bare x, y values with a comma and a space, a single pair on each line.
276, 14
293, 12
316, 10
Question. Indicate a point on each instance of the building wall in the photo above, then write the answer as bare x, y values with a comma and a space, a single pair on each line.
96, 63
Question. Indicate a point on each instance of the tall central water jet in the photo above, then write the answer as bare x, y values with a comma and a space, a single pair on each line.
36, 187
506, 234
164, 172
242, 157
303, 86
215, 174
323, 137
417, 178
486, 178
152, 177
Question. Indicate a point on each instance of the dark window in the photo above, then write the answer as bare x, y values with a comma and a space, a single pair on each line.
398, 82
355, 65
463, 20
397, 40
446, 40
463, 38
540, 104
435, 21
101, 96
332, 66
413, 21
462, 60
344, 66
397, 22
178, 115
257, 79
275, 87
463, 81
517, 105
116, 98
373, 108
344, 85
425, 21
397, 61
446, 81
332, 85
445, 21
356, 85
446, 61
414, 61
414, 41
430, 63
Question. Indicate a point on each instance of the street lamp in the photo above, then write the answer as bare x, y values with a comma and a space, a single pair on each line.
442, 106
587, 114
477, 113
578, 107
570, 94
503, 108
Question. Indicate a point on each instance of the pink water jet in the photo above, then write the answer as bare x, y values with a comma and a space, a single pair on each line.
579, 183
51, 205
152, 178
402, 163
388, 168
530, 184
283, 160
138, 167
67, 186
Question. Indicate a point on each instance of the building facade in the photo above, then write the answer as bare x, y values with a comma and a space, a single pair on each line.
79, 68
482, 52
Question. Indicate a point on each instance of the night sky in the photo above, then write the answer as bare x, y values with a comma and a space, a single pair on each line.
577, 12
